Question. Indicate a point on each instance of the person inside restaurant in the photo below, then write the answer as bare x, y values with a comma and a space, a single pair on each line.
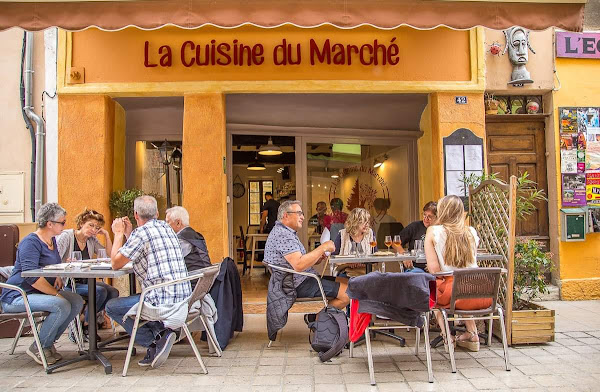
84, 239
155, 253
356, 238
317, 220
450, 245
284, 248
334, 222
268, 214
35, 251
381, 216
416, 231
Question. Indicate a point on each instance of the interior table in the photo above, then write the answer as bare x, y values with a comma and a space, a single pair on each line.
94, 351
256, 237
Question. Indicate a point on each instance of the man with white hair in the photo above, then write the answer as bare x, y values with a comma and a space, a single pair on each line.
154, 250
193, 244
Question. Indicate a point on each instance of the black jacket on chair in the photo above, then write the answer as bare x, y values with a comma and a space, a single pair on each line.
280, 298
227, 294
399, 296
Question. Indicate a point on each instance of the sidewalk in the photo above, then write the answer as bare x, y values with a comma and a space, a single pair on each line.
572, 363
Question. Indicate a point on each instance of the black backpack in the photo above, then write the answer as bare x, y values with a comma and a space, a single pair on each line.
328, 333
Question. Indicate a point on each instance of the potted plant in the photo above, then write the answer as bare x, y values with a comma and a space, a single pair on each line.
121, 203
491, 104
530, 323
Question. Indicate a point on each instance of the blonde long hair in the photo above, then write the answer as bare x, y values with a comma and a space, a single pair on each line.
460, 243
356, 218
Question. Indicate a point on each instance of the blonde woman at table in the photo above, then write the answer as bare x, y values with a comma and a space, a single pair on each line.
84, 239
35, 251
450, 245
358, 235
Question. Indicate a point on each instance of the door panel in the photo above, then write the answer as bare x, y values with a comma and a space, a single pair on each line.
512, 149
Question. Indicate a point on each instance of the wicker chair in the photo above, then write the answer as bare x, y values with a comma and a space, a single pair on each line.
471, 283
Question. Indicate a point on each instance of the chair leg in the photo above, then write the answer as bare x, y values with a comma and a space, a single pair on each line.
17, 336
418, 340
36, 336
131, 343
490, 330
193, 344
212, 339
504, 340
450, 345
370, 355
427, 346
351, 349
270, 343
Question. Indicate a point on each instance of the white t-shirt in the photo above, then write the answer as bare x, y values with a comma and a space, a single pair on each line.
439, 244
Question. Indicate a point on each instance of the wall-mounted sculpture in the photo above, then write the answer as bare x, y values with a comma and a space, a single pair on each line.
518, 45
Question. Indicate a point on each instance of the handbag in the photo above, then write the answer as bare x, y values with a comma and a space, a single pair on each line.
328, 333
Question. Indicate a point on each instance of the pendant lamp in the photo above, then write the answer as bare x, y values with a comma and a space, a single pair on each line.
270, 148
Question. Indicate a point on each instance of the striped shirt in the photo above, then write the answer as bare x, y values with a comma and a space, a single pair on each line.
157, 258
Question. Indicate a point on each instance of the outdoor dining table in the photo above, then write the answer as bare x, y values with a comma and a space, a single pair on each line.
94, 351
370, 260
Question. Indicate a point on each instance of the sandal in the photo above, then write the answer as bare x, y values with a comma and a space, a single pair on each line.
466, 341
452, 341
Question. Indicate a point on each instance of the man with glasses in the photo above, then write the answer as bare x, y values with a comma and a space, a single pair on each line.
285, 249
416, 231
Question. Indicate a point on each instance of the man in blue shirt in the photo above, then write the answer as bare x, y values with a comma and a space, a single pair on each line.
285, 249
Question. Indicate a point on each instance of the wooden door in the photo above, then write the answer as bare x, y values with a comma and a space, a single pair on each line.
514, 148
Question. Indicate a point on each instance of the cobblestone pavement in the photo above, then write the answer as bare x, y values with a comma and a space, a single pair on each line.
572, 363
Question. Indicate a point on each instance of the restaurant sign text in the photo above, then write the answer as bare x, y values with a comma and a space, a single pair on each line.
578, 45
227, 53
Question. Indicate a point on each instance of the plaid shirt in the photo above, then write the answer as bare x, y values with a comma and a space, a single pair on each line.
156, 255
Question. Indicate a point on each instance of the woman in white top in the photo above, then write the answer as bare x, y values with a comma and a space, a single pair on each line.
358, 235
450, 245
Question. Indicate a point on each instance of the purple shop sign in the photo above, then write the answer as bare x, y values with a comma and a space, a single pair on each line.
578, 45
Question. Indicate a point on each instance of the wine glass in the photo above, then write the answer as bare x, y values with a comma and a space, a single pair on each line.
101, 254
397, 242
76, 255
388, 241
353, 249
373, 244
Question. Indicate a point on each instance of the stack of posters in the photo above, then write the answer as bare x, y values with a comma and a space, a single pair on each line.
580, 156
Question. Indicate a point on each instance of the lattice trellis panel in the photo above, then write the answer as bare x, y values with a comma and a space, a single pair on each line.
492, 209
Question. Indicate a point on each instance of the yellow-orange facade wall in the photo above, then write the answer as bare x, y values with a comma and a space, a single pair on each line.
579, 261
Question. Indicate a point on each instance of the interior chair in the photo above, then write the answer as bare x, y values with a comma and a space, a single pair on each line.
387, 228
206, 277
322, 298
27, 316
243, 249
480, 283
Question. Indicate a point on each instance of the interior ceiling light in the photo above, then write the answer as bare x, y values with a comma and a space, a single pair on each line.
379, 161
270, 149
335, 176
256, 165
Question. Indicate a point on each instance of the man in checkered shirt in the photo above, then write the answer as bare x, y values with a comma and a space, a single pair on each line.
154, 249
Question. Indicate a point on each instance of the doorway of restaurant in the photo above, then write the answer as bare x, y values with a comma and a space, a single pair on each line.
359, 148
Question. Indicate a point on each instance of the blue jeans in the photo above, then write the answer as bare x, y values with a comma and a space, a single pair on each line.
414, 270
146, 334
62, 312
104, 292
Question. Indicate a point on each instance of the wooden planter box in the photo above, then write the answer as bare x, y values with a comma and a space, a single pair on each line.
534, 325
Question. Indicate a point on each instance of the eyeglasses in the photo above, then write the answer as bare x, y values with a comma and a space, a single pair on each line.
296, 212
60, 223
428, 217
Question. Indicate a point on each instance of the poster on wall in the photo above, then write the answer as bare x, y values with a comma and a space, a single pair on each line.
568, 161
568, 141
573, 190
581, 161
568, 120
593, 188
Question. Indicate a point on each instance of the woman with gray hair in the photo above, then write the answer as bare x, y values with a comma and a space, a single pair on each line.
38, 250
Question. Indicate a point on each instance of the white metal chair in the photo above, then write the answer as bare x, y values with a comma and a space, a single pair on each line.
470, 283
28, 315
206, 277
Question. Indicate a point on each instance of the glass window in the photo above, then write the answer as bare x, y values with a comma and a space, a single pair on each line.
258, 188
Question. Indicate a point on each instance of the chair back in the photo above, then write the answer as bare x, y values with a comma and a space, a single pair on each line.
480, 283
204, 283
243, 237
334, 230
387, 228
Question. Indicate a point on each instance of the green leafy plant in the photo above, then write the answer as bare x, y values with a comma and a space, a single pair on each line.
121, 203
530, 264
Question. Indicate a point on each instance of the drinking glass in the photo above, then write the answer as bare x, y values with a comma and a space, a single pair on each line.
101, 254
419, 247
397, 242
388, 241
354, 249
76, 255
373, 244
